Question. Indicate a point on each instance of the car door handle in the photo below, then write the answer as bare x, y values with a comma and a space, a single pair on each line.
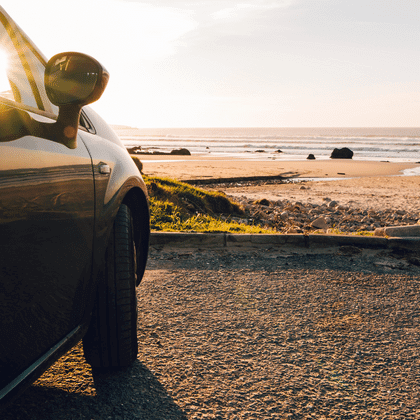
104, 169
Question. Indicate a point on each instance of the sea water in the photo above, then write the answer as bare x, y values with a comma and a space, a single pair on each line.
379, 144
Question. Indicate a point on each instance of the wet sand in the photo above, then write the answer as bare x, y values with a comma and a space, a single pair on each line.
203, 167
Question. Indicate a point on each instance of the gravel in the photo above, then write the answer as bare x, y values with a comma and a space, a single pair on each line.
258, 334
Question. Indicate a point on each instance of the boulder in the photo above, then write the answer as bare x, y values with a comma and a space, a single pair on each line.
311, 156
183, 152
284, 215
262, 202
344, 153
332, 204
320, 223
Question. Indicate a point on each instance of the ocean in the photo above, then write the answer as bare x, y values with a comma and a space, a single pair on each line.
380, 144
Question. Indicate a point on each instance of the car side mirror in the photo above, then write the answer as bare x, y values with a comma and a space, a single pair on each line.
72, 80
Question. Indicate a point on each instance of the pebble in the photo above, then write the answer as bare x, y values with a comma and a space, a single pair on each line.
287, 216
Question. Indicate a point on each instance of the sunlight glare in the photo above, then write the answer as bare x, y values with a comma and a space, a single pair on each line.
4, 81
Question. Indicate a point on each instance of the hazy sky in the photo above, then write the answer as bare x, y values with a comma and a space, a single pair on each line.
211, 63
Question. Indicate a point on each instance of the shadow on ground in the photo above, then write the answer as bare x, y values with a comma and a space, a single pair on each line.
133, 393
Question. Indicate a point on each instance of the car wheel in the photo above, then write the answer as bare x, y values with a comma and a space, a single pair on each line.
111, 340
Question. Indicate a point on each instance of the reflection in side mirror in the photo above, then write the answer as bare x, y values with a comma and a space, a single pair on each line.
73, 80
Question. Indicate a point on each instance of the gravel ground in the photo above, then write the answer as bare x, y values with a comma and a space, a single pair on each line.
258, 334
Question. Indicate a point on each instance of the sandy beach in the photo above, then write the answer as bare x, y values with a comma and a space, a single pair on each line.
205, 167
358, 184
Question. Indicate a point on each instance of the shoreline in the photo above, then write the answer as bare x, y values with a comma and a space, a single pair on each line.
212, 168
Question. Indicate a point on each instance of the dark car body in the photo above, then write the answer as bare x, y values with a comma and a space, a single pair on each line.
58, 204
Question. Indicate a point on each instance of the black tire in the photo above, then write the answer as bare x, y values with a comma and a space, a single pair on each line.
111, 340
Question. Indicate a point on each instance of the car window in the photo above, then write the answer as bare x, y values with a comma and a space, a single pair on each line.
5, 89
22, 70
37, 70
15, 83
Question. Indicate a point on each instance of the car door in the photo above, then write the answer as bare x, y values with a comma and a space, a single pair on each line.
46, 215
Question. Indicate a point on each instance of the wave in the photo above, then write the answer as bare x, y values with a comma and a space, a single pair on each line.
396, 144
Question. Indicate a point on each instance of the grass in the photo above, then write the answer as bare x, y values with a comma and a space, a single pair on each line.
179, 207
365, 233
138, 163
336, 231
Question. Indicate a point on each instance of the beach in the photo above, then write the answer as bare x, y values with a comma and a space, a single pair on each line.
205, 167
349, 195
384, 172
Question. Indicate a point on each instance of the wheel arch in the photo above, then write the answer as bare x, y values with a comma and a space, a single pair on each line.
136, 200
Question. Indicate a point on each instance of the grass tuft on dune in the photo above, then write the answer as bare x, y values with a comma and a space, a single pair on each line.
178, 207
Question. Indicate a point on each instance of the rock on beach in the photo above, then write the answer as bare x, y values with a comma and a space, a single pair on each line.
348, 206
181, 152
343, 153
288, 216
137, 150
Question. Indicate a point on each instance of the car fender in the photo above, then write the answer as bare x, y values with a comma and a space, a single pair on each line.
117, 180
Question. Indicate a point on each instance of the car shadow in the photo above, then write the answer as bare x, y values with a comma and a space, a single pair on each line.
132, 393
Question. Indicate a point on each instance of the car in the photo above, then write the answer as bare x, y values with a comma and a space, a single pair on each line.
74, 217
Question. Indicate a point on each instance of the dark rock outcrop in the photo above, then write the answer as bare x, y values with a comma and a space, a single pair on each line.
134, 150
182, 152
311, 156
137, 150
344, 153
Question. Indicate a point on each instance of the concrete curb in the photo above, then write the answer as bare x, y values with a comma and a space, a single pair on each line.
226, 240
409, 231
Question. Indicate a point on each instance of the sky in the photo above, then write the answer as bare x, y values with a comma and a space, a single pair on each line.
249, 63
